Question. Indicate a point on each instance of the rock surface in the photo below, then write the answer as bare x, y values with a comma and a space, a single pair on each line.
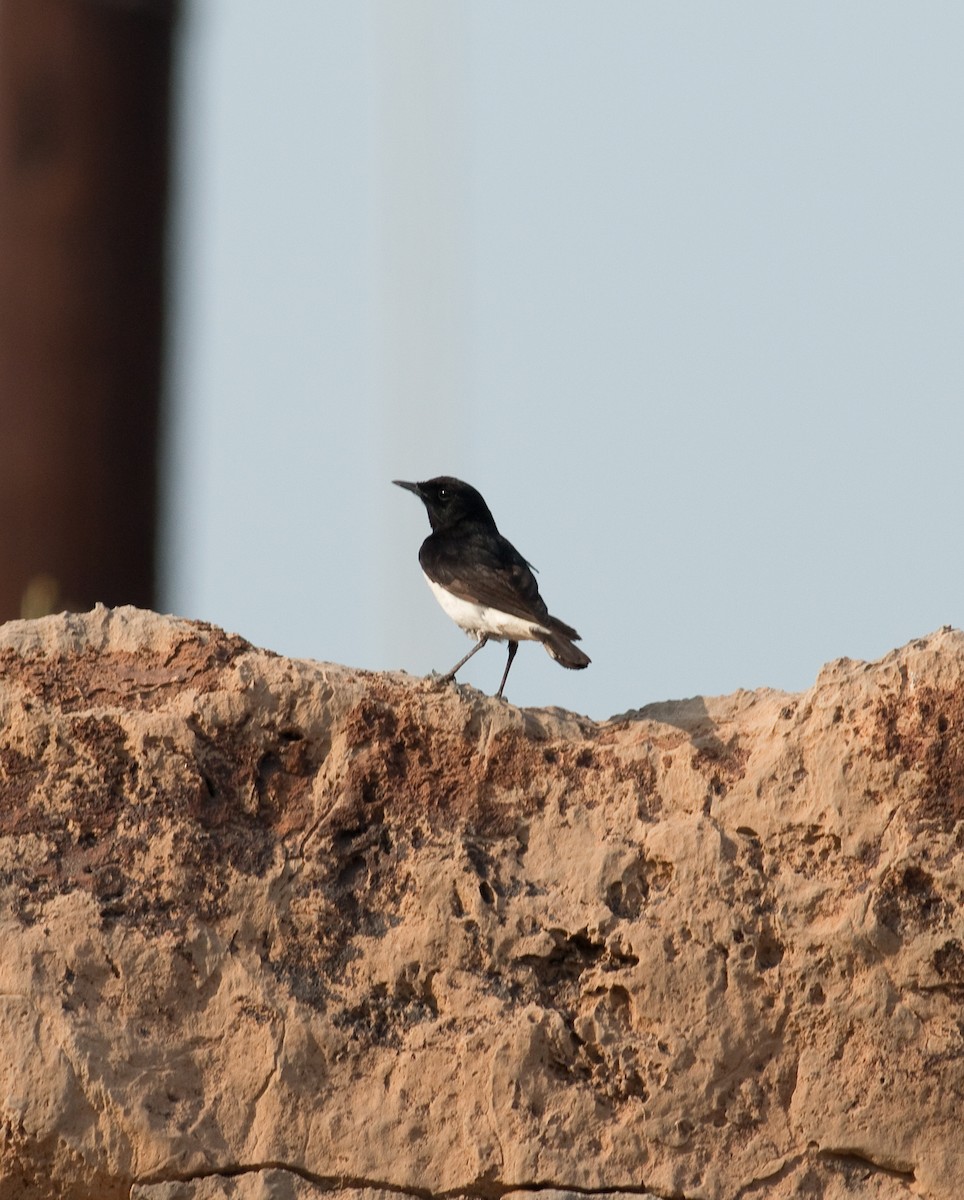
275, 928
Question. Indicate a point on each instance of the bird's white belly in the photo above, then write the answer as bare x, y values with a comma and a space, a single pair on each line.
477, 619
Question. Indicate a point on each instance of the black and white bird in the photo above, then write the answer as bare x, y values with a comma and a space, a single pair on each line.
481, 580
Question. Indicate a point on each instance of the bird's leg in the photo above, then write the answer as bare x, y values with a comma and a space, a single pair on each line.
513, 646
450, 675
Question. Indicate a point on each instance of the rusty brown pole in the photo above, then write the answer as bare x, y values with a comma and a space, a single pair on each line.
84, 126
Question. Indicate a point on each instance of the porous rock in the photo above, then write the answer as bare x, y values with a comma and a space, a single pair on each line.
277, 928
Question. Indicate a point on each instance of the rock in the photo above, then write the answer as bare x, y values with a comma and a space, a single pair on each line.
275, 928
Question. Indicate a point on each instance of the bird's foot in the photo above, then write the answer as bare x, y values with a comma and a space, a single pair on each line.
440, 681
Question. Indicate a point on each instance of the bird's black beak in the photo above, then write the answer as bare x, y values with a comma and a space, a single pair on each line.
409, 487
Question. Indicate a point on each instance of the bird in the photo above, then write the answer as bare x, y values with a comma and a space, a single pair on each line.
481, 581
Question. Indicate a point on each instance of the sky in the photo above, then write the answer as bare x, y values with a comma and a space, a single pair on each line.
679, 287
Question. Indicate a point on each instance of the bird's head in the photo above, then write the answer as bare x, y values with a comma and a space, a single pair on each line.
449, 501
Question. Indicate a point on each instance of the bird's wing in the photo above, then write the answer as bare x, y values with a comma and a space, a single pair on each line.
486, 570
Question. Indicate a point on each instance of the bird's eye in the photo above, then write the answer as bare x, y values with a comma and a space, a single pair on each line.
443, 493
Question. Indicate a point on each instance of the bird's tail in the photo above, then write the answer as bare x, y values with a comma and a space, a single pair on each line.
559, 643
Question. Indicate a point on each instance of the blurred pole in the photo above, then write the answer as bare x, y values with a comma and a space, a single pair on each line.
424, 278
84, 119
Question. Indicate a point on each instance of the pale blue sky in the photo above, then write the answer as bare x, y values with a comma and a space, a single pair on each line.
679, 287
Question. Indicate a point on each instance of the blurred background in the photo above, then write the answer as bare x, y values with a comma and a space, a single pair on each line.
678, 286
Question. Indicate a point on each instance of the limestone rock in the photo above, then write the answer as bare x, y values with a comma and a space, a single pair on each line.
275, 928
